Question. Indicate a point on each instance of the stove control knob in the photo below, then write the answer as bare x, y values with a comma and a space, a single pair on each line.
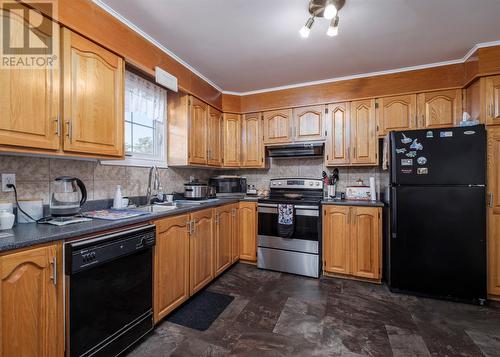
310, 183
317, 183
280, 183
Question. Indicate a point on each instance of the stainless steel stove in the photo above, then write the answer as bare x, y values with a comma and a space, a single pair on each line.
298, 251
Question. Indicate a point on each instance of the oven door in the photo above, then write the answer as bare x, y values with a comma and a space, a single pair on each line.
306, 221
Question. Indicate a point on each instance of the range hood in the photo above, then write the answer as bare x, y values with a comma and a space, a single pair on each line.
296, 150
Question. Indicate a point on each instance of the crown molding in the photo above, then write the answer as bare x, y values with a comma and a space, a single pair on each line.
139, 31
135, 28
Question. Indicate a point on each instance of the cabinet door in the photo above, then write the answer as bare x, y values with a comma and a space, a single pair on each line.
201, 250
365, 238
494, 212
248, 231
396, 113
337, 141
93, 98
171, 269
309, 123
214, 138
198, 128
439, 109
223, 238
364, 141
492, 100
277, 126
336, 239
235, 238
252, 147
31, 303
29, 100
232, 140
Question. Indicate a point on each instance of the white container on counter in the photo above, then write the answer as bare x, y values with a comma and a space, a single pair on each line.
32, 207
6, 206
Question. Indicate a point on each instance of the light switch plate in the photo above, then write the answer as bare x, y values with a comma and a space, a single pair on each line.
6, 179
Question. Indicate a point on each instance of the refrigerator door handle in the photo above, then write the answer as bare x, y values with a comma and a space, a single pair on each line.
394, 210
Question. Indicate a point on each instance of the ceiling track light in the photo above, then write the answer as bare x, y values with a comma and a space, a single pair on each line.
327, 9
333, 29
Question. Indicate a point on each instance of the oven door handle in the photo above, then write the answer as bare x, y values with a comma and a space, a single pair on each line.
298, 212
275, 205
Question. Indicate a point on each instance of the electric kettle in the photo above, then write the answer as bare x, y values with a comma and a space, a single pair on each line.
65, 200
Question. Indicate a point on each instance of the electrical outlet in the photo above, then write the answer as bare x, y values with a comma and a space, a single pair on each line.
6, 179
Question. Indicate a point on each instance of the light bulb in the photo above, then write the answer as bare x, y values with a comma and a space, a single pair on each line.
330, 11
333, 29
306, 29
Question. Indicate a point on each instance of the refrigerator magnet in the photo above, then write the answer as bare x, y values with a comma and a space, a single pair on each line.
405, 139
411, 154
422, 171
400, 151
446, 134
422, 160
406, 162
406, 171
429, 134
415, 145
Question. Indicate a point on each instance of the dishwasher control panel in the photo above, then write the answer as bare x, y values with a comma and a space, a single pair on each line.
86, 254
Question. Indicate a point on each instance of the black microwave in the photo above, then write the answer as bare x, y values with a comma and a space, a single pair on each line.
229, 185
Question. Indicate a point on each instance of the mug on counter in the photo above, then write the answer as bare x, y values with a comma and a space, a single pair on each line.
6, 220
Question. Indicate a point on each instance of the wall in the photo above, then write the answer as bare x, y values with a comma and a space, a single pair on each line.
311, 168
35, 174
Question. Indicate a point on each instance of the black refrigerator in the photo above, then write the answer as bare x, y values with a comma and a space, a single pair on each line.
437, 239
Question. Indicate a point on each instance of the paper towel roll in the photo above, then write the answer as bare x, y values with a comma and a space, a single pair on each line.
373, 193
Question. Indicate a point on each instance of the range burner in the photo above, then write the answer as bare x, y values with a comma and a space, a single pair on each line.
295, 190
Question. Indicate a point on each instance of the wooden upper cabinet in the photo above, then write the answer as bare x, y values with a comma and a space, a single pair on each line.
439, 109
29, 101
93, 98
31, 303
309, 123
248, 230
198, 128
201, 250
366, 242
252, 146
363, 138
396, 113
492, 100
278, 126
214, 138
232, 140
494, 212
224, 229
171, 265
336, 232
338, 128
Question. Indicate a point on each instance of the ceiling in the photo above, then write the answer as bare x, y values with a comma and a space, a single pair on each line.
248, 45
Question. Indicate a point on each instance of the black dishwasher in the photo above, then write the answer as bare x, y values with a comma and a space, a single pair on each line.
109, 291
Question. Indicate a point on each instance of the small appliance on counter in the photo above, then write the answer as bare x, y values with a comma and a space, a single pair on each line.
358, 192
251, 190
66, 200
229, 185
197, 190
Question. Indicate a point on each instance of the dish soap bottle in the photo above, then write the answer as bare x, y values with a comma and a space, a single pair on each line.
118, 199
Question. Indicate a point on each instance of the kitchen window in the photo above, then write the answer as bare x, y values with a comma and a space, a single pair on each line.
145, 122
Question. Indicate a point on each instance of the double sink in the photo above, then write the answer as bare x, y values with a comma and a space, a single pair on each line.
170, 206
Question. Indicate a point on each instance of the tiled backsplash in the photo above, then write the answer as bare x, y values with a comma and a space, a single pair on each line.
312, 168
35, 174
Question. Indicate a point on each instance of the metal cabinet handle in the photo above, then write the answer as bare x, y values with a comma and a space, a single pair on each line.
216, 218
54, 270
193, 229
58, 125
69, 134
490, 199
188, 227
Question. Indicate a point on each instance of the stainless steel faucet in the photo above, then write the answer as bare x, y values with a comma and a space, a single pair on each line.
154, 186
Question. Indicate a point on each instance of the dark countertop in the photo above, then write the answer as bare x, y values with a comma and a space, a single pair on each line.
30, 234
353, 203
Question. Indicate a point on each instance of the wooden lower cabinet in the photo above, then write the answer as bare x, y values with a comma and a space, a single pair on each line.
171, 264
224, 222
352, 241
248, 231
31, 303
493, 217
201, 253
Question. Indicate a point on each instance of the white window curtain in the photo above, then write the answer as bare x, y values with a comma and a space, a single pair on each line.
144, 97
